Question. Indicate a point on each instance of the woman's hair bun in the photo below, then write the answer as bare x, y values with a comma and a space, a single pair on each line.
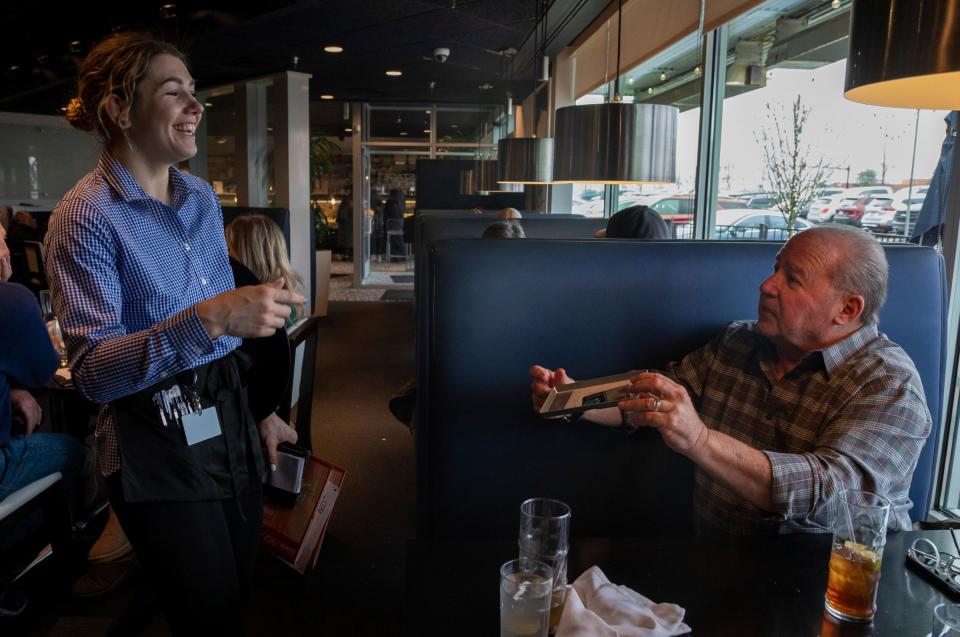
78, 116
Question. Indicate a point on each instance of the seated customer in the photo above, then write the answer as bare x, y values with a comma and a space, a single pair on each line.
782, 413
637, 222
257, 242
509, 213
504, 230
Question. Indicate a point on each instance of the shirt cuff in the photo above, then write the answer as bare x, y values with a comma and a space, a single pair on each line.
186, 334
792, 488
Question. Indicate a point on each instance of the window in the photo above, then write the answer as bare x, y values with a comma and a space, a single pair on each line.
784, 101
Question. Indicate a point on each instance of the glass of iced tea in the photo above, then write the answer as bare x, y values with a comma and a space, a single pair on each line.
946, 621
545, 536
859, 535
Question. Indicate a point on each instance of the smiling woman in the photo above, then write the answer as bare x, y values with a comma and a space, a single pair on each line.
139, 273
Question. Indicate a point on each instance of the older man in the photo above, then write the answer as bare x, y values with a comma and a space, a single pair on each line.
782, 413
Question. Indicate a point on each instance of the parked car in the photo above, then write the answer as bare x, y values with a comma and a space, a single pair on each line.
824, 208
679, 208
739, 224
824, 193
878, 215
763, 201
850, 212
901, 224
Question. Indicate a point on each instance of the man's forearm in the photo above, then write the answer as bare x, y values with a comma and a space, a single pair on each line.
739, 467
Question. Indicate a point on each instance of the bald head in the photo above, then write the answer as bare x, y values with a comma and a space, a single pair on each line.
856, 263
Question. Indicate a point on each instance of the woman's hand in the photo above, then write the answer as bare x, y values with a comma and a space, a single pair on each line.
248, 312
273, 431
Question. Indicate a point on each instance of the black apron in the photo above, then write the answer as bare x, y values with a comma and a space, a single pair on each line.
157, 465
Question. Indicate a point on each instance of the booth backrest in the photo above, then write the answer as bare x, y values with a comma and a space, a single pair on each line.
493, 308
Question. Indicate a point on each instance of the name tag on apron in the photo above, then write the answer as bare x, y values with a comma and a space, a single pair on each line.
202, 425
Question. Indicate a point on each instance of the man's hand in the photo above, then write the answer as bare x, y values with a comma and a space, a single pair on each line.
543, 381
665, 406
27, 409
273, 431
249, 312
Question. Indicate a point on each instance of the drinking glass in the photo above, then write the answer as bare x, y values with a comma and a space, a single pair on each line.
859, 535
946, 621
545, 537
53, 325
525, 590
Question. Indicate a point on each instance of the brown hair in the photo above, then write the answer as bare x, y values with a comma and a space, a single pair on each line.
257, 242
113, 67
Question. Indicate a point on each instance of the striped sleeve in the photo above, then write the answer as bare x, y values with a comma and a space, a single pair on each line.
106, 361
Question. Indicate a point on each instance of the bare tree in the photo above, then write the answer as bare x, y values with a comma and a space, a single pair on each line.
793, 173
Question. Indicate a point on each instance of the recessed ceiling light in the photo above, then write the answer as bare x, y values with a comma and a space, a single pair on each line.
348, 130
403, 133
207, 104
326, 97
14, 67
426, 130
333, 48
427, 112
486, 86
222, 140
394, 73
629, 80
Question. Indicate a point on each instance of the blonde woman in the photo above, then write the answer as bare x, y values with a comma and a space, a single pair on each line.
257, 242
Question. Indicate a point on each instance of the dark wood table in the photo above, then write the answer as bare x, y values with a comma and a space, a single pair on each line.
729, 586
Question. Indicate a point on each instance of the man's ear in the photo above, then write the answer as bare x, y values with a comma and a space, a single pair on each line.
851, 310
114, 107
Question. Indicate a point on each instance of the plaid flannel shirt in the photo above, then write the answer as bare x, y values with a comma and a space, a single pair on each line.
852, 415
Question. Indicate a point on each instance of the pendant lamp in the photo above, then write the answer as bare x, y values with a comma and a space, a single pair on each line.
529, 160
616, 142
905, 53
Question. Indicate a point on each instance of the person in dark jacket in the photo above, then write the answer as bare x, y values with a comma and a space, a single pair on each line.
637, 222
345, 225
392, 211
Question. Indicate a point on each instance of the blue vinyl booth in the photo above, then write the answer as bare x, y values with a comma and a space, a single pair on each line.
490, 309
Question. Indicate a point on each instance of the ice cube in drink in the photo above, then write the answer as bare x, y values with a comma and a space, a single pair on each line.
852, 581
524, 605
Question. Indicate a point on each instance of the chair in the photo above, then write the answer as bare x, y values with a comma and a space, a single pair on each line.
395, 229
35, 262
19, 546
302, 368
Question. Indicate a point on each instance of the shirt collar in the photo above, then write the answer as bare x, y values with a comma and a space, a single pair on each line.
831, 358
120, 179
838, 353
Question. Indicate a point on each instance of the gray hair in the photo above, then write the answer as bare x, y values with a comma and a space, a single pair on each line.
861, 267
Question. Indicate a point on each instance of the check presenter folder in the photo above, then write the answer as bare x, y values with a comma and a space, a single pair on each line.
294, 535
584, 395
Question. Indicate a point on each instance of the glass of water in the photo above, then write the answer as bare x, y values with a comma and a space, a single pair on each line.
946, 621
526, 587
53, 325
545, 537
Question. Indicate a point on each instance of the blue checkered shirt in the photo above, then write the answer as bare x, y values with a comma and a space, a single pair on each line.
126, 272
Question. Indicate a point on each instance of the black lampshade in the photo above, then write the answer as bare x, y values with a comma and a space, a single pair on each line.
905, 53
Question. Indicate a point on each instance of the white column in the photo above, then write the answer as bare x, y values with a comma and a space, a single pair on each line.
251, 120
292, 164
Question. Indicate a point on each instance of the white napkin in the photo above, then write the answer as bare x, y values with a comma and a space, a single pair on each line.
595, 607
